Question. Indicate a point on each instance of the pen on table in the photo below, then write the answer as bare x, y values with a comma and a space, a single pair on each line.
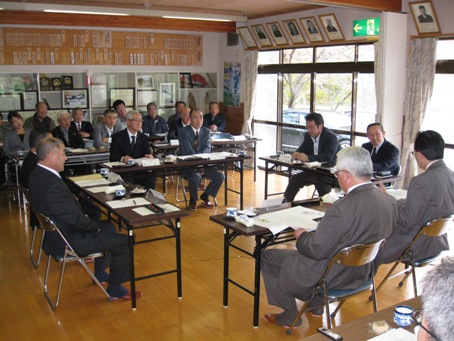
134, 202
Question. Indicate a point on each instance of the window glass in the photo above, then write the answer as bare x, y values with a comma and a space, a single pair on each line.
333, 54
268, 57
298, 56
366, 102
296, 95
366, 53
265, 107
267, 146
445, 50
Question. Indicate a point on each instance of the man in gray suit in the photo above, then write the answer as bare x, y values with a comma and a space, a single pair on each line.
364, 215
430, 195
104, 130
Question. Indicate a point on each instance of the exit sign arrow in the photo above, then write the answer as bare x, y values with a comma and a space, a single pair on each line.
366, 27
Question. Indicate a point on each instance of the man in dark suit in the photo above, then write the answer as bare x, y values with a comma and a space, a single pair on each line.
130, 144
50, 196
195, 139
181, 122
31, 159
179, 106
384, 155
84, 128
319, 144
69, 135
154, 124
430, 195
364, 215
214, 120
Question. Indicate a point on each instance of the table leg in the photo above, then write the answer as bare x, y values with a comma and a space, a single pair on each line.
226, 268
241, 183
132, 278
266, 180
255, 160
225, 183
178, 257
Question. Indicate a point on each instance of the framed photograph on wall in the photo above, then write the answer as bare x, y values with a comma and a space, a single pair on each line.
145, 96
276, 33
75, 98
30, 100
167, 95
247, 38
12, 101
127, 95
99, 96
261, 35
145, 82
425, 17
293, 31
312, 29
331, 26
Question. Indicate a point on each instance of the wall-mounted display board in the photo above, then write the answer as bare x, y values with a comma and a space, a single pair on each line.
94, 47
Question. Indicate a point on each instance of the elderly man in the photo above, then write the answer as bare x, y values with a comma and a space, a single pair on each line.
430, 195
103, 131
384, 155
69, 135
180, 123
438, 303
84, 128
40, 120
154, 124
120, 109
364, 215
49, 195
319, 144
195, 139
130, 144
31, 160
214, 120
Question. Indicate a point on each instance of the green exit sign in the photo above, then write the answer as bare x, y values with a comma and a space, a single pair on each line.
366, 27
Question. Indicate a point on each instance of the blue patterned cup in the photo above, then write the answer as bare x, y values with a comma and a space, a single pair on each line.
120, 192
231, 212
402, 315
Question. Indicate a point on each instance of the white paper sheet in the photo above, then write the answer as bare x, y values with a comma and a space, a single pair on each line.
127, 203
395, 335
397, 193
295, 217
100, 189
143, 211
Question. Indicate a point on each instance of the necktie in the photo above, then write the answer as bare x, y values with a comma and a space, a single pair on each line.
133, 143
196, 141
78, 127
374, 153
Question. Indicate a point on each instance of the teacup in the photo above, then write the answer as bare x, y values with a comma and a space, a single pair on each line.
104, 171
231, 212
131, 162
402, 315
120, 192
20, 153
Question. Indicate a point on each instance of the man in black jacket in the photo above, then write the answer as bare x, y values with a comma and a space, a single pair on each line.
319, 144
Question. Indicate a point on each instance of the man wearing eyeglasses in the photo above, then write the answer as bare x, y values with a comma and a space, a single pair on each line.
384, 155
430, 195
365, 215
319, 144
130, 144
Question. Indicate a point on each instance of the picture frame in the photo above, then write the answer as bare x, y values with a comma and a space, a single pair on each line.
185, 80
425, 17
145, 96
293, 31
331, 26
30, 98
247, 38
145, 82
125, 94
277, 33
76, 98
312, 29
99, 96
167, 94
11, 101
261, 35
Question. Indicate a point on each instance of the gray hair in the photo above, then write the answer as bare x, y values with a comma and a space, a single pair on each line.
61, 114
438, 299
356, 161
46, 146
130, 113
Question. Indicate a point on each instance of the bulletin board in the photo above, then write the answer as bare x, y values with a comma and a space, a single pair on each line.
98, 47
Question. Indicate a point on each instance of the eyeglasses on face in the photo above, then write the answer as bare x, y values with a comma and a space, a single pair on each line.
417, 317
336, 173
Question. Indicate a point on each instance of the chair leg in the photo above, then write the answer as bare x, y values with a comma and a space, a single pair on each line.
46, 282
415, 285
37, 261
93, 277
328, 316
180, 183
341, 303
386, 278
303, 308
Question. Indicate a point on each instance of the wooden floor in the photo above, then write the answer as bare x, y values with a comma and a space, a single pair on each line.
85, 314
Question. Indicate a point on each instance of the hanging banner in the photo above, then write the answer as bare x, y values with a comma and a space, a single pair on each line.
232, 78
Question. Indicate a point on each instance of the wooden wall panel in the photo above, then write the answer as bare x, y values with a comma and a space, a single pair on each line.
234, 117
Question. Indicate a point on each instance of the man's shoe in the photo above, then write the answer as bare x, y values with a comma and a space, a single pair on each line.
127, 297
271, 318
192, 207
206, 204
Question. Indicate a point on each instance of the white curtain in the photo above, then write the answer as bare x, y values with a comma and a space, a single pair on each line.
249, 75
420, 79
377, 73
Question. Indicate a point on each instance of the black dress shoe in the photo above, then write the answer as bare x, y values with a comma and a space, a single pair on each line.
192, 207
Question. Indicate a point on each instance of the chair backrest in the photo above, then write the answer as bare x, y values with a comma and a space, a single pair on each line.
356, 255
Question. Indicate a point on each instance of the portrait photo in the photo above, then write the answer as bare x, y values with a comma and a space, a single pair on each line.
247, 38
277, 34
261, 35
424, 17
331, 26
311, 28
293, 31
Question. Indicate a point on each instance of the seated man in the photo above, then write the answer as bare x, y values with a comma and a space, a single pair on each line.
50, 196
195, 139
130, 144
69, 135
214, 120
430, 195
120, 108
103, 131
364, 215
179, 106
40, 120
31, 160
384, 155
319, 144
84, 128
438, 303
181, 122
154, 124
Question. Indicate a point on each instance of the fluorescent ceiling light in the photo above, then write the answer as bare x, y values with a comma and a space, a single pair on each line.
82, 12
194, 18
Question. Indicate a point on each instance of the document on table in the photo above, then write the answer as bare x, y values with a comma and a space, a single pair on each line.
128, 203
114, 164
397, 193
295, 217
395, 335
143, 211
89, 180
